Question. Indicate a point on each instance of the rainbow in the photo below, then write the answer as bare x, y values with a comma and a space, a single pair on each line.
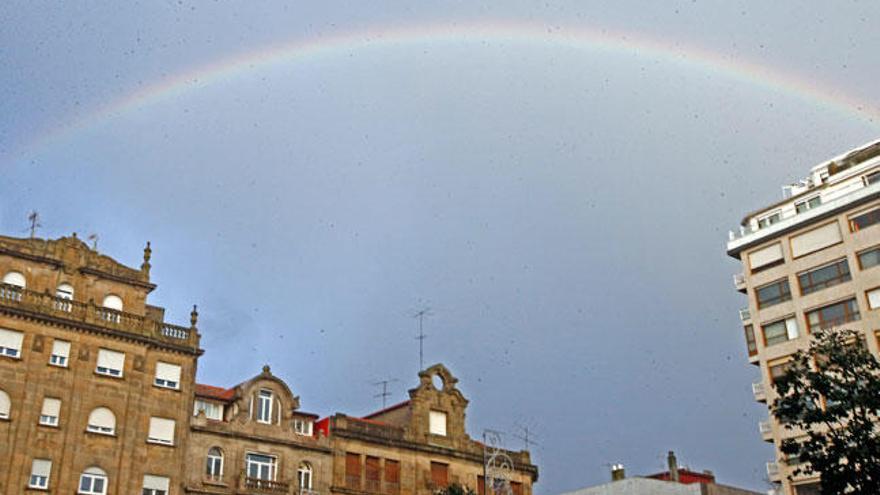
583, 39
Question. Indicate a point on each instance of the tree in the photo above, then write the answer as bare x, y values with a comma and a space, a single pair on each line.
455, 489
831, 392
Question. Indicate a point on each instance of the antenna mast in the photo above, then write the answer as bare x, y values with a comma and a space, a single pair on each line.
421, 314
385, 393
34, 218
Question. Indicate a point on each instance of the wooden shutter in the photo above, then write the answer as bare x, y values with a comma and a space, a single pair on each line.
439, 474
372, 466
481, 485
516, 488
352, 470
392, 471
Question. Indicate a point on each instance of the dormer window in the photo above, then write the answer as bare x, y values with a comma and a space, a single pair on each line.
437, 423
769, 220
114, 303
807, 204
302, 427
264, 406
212, 411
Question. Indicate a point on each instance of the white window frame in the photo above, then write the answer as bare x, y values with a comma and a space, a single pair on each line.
214, 464
6, 402
304, 472
101, 429
167, 370
46, 416
92, 474
265, 398
107, 370
41, 471
302, 427
63, 296
15, 279
159, 423
58, 357
212, 410
12, 350
155, 485
272, 466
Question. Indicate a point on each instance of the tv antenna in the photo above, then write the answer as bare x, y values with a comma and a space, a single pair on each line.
94, 239
34, 219
421, 314
384, 394
526, 434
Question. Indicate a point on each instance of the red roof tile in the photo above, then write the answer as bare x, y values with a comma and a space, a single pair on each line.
212, 392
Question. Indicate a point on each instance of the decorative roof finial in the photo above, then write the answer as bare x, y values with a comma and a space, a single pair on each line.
194, 316
148, 253
266, 370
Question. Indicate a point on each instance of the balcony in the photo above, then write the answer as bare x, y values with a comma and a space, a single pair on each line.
766, 430
258, 485
739, 281
79, 313
745, 315
759, 392
773, 471
306, 491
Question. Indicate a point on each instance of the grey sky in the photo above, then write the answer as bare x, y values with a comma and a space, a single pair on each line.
563, 211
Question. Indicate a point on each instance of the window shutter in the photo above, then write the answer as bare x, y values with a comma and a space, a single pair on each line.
439, 474
162, 430
765, 256
815, 240
11, 339
113, 302
168, 372
353, 465
437, 423
41, 467
392, 471
874, 299
61, 348
111, 359
372, 468
156, 483
51, 407
102, 417
4, 404
791, 328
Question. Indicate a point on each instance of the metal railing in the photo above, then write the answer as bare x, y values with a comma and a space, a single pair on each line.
264, 486
67, 309
745, 314
739, 281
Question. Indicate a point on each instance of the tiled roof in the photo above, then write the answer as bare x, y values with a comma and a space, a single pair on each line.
213, 392
387, 409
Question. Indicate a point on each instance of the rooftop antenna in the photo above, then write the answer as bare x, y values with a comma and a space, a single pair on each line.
526, 434
421, 314
385, 393
34, 218
94, 239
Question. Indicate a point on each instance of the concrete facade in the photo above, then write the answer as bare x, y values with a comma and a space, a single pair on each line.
787, 250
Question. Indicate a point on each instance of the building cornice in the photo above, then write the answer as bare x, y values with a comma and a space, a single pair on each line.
260, 438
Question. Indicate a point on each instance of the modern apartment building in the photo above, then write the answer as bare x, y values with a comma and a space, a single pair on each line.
809, 261
98, 396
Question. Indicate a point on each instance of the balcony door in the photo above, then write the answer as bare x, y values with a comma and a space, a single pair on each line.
260, 466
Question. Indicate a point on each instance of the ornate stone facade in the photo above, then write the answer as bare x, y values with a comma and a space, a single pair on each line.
98, 396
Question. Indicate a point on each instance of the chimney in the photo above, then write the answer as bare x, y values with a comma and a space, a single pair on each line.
673, 466
617, 472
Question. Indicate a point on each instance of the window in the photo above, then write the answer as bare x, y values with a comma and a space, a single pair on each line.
10, 343
5, 405
769, 220
304, 476
773, 293
63, 296
264, 406
873, 298
766, 257
392, 475
114, 304
815, 240
807, 204
167, 375
41, 469
751, 343
161, 431
214, 468
16, 279
864, 220
155, 485
93, 481
372, 475
516, 488
60, 353
302, 427
50, 412
781, 331
869, 258
833, 315
439, 474
437, 423
816, 279
102, 420
110, 363
778, 370
212, 410
260, 466
352, 470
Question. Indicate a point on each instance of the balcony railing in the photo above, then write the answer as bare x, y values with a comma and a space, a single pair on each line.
739, 281
759, 392
745, 314
89, 313
263, 486
773, 471
372, 486
766, 430
392, 488
307, 491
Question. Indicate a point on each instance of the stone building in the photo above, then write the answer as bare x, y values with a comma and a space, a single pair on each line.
98, 396
809, 261
95, 387
416, 447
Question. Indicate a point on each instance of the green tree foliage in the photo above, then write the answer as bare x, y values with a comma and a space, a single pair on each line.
455, 489
831, 392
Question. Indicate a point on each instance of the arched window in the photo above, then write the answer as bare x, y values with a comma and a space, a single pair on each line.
214, 468
102, 420
16, 279
304, 476
113, 302
93, 481
5, 405
63, 296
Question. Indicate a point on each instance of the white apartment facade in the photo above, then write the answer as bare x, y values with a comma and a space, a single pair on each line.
811, 260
